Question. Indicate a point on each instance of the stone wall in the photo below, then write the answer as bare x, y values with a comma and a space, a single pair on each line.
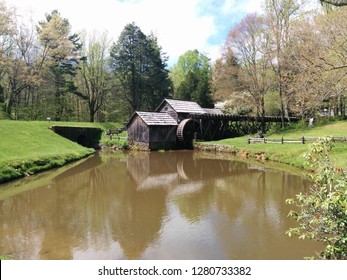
86, 136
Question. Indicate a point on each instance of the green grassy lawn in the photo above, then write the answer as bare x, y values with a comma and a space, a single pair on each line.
292, 153
29, 147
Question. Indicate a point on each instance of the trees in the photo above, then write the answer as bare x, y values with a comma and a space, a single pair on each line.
306, 51
24, 70
196, 87
19, 70
60, 57
7, 30
192, 78
225, 80
45, 72
93, 74
280, 15
158, 83
307, 54
333, 60
140, 66
190, 61
318, 60
250, 41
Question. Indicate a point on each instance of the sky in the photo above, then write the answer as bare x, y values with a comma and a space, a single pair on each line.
179, 25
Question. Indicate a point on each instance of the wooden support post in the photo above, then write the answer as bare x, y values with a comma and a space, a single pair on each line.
282, 141
303, 140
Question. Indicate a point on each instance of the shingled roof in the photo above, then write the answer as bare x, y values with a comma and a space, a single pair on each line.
181, 106
153, 118
213, 111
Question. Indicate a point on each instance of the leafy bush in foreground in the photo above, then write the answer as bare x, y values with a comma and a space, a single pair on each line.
322, 213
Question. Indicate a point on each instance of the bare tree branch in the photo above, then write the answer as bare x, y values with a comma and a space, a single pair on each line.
335, 3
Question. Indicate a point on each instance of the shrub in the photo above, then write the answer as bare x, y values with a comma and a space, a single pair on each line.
322, 213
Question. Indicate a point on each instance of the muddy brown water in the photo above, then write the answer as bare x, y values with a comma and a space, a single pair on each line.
172, 205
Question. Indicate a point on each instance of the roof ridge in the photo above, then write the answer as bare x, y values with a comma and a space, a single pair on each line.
151, 118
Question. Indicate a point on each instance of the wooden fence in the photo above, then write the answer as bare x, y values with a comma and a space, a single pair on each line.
282, 140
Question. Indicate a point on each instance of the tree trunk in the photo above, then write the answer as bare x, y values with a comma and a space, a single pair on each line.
280, 90
343, 106
263, 115
286, 109
92, 112
8, 105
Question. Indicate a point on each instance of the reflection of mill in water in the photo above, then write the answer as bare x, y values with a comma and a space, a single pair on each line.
179, 173
155, 205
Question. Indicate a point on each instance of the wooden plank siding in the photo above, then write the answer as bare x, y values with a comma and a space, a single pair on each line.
152, 131
138, 130
167, 108
162, 137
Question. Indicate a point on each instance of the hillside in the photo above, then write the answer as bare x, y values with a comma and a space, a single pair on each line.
29, 147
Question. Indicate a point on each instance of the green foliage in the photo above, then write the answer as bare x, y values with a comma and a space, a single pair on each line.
239, 104
62, 58
93, 76
272, 104
116, 143
190, 61
322, 213
196, 87
2, 112
140, 66
192, 78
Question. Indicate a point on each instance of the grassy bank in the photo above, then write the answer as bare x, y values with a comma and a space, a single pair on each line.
29, 147
288, 153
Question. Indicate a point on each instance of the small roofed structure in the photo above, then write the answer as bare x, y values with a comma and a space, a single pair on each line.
152, 131
179, 109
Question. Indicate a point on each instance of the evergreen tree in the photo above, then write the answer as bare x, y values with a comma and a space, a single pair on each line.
140, 66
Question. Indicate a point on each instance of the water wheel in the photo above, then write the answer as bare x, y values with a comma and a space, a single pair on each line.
185, 133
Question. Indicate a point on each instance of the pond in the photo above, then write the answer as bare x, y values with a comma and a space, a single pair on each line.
158, 205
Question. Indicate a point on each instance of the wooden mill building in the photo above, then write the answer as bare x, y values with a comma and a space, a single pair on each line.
179, 109
169, 127
152, 131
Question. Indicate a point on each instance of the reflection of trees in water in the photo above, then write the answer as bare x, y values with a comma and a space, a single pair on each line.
255, 204
138, 220
195, 206
108, 200
90, 207
207, 171
16, 221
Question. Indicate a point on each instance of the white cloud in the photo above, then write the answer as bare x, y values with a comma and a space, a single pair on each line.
176, 23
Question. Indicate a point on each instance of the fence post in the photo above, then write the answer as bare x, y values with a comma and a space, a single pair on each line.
303, 140
282, 140
248, 140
